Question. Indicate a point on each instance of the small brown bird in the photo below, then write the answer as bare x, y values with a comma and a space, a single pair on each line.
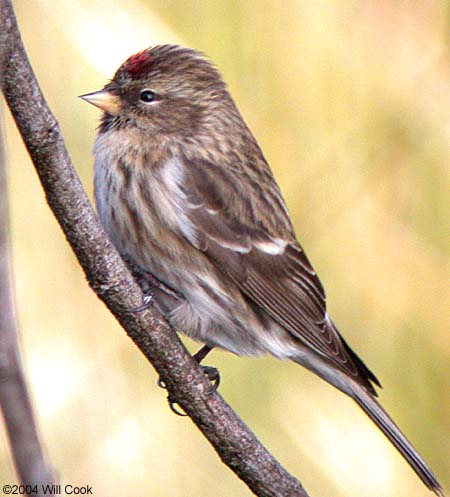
187, 197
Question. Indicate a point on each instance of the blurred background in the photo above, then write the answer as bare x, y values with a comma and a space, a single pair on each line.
350, 101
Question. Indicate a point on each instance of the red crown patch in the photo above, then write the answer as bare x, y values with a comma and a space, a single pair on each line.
138, 63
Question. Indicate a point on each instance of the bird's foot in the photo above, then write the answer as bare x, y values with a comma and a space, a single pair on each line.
213, 376
147, 302
172, 402
210, 372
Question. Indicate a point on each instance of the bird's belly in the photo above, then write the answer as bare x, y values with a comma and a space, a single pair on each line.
213, 310
142, 235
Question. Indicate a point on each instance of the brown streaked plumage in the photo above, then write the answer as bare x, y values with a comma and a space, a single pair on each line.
186, 195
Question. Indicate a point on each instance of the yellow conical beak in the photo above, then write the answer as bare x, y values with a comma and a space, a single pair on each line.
105, 100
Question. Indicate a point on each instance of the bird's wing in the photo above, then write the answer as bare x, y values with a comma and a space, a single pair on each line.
263, 258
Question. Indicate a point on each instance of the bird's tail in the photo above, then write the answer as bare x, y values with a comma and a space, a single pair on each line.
382, 419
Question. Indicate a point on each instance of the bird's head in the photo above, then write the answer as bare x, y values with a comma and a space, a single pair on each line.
168, 90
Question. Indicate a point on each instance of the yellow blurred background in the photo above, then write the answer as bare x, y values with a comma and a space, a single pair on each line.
350, 100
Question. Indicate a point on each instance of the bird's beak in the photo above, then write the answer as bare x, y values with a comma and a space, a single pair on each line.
105, 100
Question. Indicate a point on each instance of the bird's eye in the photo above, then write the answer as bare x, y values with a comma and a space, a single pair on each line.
147, 96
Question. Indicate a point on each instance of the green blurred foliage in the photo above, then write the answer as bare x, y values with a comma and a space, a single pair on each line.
350, 102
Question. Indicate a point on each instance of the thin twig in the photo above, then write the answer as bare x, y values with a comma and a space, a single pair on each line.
15, 403
107, 274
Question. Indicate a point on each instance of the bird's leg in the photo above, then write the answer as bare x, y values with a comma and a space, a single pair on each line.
202, 353
210, 372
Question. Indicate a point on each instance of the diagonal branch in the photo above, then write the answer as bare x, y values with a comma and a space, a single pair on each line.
108, 276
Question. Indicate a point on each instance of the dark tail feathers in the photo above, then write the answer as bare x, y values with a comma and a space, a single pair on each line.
381, 418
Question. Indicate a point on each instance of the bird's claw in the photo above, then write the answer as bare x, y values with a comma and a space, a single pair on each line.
213, 376
147, 302
210, 372
172, 403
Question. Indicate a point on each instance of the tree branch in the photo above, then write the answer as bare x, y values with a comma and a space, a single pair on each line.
108, 276
15, 403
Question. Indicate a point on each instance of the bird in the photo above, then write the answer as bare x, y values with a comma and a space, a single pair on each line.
185, 194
